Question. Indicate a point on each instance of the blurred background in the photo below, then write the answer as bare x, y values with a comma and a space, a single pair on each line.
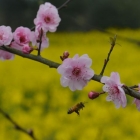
31, 93
80, 15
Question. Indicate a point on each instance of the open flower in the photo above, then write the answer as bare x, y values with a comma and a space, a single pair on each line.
6, 35
22, 36
47, 17
76, 72
114, 88
137, 101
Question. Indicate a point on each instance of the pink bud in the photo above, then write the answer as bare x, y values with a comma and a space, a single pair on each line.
26, 49
93, 95
65, 55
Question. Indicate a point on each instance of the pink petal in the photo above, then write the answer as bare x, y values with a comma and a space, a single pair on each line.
104, 79
117, 103
108, 98
80, 84
123, 97
86, 60
105, 88
72, 86
115, 77
64, 81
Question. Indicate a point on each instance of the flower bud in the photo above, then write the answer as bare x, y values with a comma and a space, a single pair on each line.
26, 49
65, 55
93, 94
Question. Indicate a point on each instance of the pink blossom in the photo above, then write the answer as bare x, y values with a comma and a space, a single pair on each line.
22, 36
26, 49
114, 88
47, 17
6, 35
4, 55
137, 101
76, 72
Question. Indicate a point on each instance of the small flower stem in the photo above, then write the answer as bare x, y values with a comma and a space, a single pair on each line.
102, 92
40, 41
18, 127
64, 4
113, 42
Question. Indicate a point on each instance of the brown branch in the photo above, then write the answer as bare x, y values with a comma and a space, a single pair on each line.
40, 41
53, 64
113, 42
135, 86
17, 126
131, 92
40, 59
64, 4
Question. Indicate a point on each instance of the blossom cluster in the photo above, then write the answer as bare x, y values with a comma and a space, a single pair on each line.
75, 72
26, 40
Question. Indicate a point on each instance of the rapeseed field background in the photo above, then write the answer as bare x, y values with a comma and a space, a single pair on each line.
31, 94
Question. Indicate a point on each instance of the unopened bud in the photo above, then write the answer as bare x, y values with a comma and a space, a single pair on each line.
65, 55
26, 49
93, 94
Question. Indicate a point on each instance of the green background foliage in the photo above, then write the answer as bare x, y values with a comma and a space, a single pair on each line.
82, 15
31, 93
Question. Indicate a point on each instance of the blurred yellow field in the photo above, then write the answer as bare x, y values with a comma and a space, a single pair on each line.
31, 93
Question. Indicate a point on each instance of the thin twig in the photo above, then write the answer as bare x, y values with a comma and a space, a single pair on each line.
17, 126
40, 41
135, 86
64, 4
113, 42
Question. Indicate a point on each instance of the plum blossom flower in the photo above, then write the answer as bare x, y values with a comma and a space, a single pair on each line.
47, 17
114, 88
76, 72
137, 101
22, 36
6, 35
